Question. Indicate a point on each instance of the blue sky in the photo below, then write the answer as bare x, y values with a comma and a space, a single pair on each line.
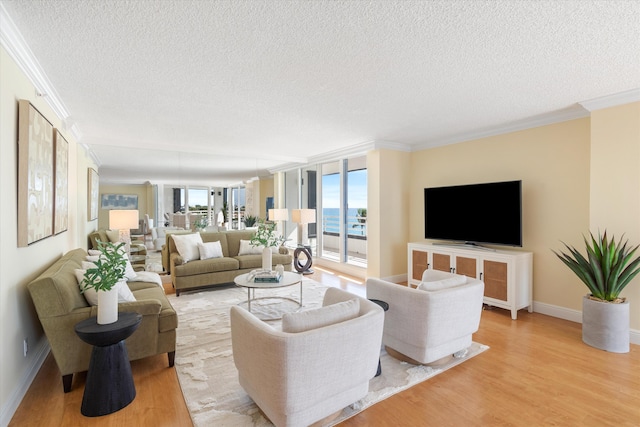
357, 190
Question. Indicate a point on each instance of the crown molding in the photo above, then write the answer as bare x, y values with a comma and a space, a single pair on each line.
607, 101
11, 39
343, 153
571, 113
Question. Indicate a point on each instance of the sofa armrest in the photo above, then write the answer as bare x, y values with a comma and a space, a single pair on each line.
176, 259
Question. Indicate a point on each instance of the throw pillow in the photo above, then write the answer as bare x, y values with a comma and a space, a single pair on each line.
187, 245
210, 250
129, 272
124, 293
246, 248
91, 295
450, 282
113, 235
320, 317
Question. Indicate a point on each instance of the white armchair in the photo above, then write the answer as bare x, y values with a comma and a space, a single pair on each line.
299, 378
427, 325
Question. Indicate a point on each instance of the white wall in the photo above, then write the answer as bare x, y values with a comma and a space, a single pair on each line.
18, 319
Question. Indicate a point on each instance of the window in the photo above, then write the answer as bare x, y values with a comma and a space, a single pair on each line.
344, 211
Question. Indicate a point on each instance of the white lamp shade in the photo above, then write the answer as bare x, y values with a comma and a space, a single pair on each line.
123, 219
279, 214
303, 216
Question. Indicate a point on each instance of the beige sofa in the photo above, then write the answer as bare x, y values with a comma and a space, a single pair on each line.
60, 306
204, 273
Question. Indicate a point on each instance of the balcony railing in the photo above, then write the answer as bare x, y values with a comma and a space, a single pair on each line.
355, 227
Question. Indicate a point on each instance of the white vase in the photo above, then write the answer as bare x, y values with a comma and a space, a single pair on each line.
605, 325
108, 306
266, 258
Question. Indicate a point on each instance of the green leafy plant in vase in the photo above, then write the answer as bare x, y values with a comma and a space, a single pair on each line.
108, 271
607, 268
266, 237
200, 223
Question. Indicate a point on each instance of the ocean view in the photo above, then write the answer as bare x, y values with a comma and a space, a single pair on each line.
331, 224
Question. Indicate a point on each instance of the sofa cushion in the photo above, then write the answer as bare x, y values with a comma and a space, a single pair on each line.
320, 317
187, 246
204, 266
249, 261
210, 250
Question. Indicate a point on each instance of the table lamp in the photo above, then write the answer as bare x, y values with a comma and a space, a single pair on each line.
279, 215
303, 217
124, 221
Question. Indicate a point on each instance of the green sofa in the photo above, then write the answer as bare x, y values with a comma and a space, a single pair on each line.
216, 271
60, 306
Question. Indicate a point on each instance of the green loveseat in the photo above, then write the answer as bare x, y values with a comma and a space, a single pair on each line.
204, 273
60, 306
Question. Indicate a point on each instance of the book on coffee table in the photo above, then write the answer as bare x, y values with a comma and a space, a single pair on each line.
267, 277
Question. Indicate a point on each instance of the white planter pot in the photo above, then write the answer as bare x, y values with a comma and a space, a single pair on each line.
266, 258
605, 325
108, 306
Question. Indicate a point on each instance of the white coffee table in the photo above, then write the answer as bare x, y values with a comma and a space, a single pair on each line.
288, 279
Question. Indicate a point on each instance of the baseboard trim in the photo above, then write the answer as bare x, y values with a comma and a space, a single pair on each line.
18, 393
399, 278
574, 316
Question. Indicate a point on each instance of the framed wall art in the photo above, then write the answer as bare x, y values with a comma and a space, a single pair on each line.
61, 189
92, 194
119, 201
35, 175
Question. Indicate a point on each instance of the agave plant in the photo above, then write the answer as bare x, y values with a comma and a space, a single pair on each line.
250, 220
603, 269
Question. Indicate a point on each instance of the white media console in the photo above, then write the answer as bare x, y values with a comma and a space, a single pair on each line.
507, 275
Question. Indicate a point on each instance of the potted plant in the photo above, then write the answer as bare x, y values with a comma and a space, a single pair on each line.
200, 223
267, 238
108, 271
250, 220
225, 212
606, 270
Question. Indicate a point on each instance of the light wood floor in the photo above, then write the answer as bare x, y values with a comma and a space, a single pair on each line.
537, 373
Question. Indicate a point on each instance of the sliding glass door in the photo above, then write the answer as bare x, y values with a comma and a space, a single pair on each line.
344, 211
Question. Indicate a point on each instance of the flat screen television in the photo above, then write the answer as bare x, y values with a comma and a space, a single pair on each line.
488, 213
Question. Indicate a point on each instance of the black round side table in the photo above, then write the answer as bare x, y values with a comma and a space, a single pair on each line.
385, 307
109, 385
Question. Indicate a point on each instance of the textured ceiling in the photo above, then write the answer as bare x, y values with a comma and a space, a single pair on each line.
218, 92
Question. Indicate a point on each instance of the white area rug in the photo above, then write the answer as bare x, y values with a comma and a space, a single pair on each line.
209, 379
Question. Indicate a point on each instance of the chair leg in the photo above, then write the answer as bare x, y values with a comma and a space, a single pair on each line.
66, 382
172, 358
